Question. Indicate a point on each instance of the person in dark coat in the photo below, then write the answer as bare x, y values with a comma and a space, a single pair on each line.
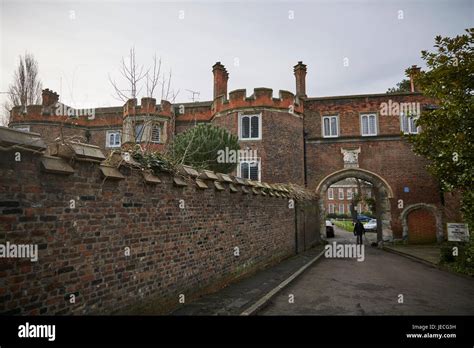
359, 231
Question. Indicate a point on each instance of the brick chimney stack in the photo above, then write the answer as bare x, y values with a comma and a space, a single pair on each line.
413, 72
300, 76
221, 76
49, 97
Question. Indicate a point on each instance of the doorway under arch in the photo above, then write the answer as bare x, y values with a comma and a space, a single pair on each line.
436, 228
383, 194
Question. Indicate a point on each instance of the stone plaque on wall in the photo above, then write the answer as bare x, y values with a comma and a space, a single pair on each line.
351, 157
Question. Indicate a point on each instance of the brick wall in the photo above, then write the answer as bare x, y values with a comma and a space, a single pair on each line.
82, 250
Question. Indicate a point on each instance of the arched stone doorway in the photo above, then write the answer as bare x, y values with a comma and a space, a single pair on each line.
383, 193
424, 222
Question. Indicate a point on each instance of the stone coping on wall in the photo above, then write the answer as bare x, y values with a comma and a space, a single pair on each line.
58, 158
19, 139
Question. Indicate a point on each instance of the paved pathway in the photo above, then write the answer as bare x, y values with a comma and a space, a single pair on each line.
372, 287
238, 297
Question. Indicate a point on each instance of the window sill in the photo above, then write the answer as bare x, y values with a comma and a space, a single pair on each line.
249, 139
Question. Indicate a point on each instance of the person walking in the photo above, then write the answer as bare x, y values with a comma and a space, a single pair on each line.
359, 231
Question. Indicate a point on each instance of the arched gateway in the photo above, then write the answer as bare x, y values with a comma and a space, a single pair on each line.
383, 194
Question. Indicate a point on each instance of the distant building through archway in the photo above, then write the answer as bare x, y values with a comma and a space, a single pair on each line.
383, 194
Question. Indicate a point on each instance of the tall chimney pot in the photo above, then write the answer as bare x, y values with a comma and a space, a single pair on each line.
300, 76
221, 76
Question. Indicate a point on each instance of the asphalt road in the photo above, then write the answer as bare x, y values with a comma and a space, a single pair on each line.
373, 287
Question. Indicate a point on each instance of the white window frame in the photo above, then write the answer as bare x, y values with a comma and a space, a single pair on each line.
22, 128
160, 132
376, 123
410, 124
349, 193
259, 164
250, 116
339, 210
340, 194
330, 193
331, 208
329, 117
107, 138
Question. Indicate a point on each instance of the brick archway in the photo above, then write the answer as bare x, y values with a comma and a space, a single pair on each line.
432, 209
383, 193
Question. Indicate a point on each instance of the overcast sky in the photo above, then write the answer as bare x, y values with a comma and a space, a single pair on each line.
79, 43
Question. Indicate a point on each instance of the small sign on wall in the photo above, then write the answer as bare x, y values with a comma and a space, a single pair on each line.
458, 232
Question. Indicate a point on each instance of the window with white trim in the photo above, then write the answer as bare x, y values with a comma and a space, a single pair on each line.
359, 208
250, 169
407, 124
22, 128
330, 126
331, 208
349, 208
368, 124
341, 194
156, 133
113, 139
330, 193
250, 127
349, 193
341, 208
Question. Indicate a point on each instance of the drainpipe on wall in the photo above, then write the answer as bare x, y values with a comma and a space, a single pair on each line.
305, 136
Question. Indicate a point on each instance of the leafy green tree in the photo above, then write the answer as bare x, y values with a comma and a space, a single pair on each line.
403, 86
206, 147
447, 131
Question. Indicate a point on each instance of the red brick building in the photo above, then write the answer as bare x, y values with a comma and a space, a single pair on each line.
311, 141
338, 198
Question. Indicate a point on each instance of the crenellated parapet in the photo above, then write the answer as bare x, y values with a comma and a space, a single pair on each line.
261, 97
148, 107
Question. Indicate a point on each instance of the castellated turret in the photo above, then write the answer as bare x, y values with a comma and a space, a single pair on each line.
149, 125
269, 126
